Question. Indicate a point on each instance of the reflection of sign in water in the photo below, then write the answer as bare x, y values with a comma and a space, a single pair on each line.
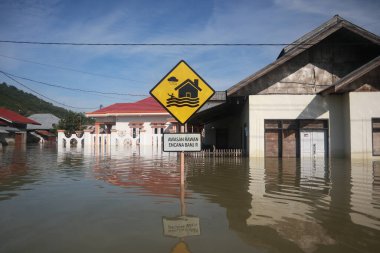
182, 92
182, 142
180, 247
181, 226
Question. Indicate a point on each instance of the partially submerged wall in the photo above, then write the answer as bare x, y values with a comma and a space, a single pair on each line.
363, 107
263, 107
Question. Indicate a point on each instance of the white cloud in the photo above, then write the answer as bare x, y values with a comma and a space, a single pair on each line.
362, 12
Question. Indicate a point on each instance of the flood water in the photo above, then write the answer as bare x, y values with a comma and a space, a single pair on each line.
76, 201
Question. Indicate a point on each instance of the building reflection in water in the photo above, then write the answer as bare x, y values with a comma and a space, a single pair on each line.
365, 197
288, 205
146, 169
14, 170
153, 173
285, 193
295, 205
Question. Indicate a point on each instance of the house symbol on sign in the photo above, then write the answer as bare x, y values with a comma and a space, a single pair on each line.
188, 89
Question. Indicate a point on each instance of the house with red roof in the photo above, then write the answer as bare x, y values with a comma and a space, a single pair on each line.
13, 127
142, 122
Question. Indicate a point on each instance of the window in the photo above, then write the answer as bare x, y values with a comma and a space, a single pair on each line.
158, 130
133, 132
376, 137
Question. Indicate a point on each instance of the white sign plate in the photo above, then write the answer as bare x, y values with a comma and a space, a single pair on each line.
181, 226
187, 142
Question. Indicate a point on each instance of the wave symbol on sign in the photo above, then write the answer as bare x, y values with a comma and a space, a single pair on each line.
181, 102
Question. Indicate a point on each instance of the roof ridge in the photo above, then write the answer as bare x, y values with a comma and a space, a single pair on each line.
315, 36
334, 21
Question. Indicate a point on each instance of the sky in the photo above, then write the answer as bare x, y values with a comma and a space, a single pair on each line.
136, 69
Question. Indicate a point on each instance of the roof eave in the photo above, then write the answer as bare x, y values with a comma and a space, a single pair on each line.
351, 77
124, 114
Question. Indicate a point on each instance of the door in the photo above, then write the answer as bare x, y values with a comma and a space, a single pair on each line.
221, 138
272, 143
313, 143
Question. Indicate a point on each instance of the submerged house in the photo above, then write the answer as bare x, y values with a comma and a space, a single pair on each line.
142, 122
44, 131
320, 97
13, 127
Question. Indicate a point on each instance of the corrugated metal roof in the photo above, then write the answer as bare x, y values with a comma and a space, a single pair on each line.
14, 117
146, 106
45, 133
10, 129
46, 119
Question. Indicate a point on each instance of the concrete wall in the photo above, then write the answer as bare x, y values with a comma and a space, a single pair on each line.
346, 123
244, 120
363, 107
263, 107
147, 135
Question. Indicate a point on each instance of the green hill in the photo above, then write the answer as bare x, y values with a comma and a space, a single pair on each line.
26, 103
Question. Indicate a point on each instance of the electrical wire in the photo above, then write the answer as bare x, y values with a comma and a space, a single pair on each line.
149, 44
55, 101
71, 69
76, 89
168, 44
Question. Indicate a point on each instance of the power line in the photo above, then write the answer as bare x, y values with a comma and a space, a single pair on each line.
149, 44
70, 69
55, 101
76, 89
172, 44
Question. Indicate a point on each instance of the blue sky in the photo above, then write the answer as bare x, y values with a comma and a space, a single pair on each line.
137, 69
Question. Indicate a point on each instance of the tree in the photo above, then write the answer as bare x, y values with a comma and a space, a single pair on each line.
74, 122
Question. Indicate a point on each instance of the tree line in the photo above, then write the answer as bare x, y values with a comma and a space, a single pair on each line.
27, 104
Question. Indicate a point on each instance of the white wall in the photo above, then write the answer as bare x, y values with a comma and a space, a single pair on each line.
147, 135
363, 107
347, 128
245, 120
263, 107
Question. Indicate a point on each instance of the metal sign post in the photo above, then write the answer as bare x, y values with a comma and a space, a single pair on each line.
182, 161
182, 92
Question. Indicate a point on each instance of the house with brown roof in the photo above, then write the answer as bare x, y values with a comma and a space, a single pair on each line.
320, 97
13, 127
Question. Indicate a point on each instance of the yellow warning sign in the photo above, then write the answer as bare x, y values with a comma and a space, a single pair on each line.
182, 92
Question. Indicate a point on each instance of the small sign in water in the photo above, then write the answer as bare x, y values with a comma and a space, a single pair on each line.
181, 226
182, 142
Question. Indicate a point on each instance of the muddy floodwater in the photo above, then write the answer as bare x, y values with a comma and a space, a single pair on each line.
131, 201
